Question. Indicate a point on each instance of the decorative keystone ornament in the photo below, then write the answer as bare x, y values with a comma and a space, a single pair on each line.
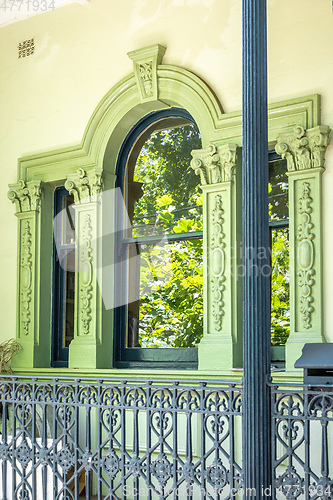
304, 149
145, 62
25, 195
84, 185
215, 164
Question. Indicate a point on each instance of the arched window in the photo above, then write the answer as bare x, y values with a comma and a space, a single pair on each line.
159, 248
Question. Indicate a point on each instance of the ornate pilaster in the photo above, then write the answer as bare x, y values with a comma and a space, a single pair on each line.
85, 350
27, 199
220, 347
304, 151
145, 62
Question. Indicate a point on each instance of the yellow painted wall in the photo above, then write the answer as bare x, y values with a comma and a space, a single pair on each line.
47, 99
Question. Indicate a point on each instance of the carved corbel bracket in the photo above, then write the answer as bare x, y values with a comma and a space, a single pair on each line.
145, 62
215, 163
25, 195
85, 186
304, 149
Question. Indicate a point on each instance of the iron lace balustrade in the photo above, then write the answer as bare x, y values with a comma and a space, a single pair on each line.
302, 434
62, 438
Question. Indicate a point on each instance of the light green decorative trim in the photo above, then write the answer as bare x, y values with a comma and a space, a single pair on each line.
25, 195
221, 344
304, 151
217, 262
85, 185
176, 87
305, 256
28, 303
26, 281
86, 288
215, 163
91, 346
145, 62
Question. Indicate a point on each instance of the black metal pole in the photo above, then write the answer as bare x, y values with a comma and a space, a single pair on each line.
256, 281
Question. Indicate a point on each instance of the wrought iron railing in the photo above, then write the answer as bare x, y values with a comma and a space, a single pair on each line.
302, 441
66, 439
62, 439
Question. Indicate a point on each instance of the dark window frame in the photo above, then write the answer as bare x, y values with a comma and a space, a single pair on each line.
277, 351
123, 356
59, 353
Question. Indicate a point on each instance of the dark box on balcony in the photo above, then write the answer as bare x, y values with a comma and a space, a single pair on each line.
317, 363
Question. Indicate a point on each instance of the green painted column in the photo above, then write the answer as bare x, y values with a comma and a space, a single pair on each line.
91, 346
304, 151
221, 345
27, 199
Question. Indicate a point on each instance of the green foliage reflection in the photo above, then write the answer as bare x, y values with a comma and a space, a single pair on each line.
171, 305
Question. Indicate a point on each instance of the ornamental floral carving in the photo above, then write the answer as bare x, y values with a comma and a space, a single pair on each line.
305, 256
217, 262
86, 287
146, 75
304, 149
25, 195
85, 186
26, 278
215, 163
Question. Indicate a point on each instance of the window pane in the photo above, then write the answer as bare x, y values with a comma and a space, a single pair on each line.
280, 301
69, 299
165, 188
278, 191
170, 310
68, 231
64, 276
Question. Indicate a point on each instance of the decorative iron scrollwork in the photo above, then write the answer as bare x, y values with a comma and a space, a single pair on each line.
140, 434
65, 458
161, 469
111, 463
217, 474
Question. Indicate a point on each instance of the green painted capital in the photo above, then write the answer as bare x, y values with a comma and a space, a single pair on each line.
215, 164
85, 185
145, 62
25, 195
304, 149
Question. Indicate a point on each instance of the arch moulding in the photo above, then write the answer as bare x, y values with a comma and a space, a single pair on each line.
121, 108
150, 87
